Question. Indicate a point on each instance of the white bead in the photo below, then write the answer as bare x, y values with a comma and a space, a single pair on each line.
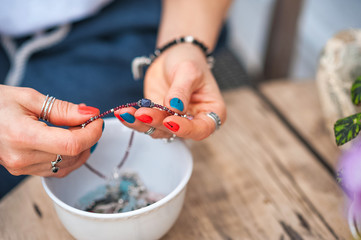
189, 39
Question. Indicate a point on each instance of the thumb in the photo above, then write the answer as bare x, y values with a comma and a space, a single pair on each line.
185, 79
61, 113
70, 114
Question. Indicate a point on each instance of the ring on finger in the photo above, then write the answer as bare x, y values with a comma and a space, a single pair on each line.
58, 159
215, 118
150, 131
46, 108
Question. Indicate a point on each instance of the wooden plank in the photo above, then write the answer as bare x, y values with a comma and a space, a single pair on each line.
252, 180
28, 213
304, 113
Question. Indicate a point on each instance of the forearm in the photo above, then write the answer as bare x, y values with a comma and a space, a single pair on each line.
202, 19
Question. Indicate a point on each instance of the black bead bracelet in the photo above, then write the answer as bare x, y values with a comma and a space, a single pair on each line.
187, 39
139, 62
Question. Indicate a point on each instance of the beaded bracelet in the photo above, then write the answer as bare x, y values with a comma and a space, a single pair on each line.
139, 62
140, 103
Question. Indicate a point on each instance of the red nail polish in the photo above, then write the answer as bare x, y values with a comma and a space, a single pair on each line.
145, 118
87, 110
172, 126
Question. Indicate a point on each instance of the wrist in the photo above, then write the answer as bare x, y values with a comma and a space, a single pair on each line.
183, 41
139, 62
184, 52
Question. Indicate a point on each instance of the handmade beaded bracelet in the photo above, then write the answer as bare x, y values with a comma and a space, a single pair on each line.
187, 39
139, 62
140, 103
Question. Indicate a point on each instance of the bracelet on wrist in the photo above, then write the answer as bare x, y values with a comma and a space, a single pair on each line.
139, 63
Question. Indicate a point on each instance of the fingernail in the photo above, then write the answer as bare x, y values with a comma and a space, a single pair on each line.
172, 126
145, 118
103, 126
87, 110
129, 118
93, 148
177, 104
120, 119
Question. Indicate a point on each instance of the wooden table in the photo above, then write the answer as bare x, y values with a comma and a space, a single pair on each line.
262, 176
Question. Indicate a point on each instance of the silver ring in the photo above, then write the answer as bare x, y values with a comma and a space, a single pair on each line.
42, 108
150, 131
46, 108
58, 159
215, 118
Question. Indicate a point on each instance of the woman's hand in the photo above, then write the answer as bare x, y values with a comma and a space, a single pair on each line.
27, 145
180, 79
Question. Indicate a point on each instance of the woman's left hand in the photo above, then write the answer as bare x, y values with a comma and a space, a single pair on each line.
181, 80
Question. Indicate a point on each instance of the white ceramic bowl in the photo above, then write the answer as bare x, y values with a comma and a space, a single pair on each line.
164, 168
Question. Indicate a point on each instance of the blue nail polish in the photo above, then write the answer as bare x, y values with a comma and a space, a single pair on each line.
129, 118
93, 148
177, 104
95, 145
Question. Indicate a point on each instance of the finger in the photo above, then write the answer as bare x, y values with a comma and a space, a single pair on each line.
18, 163
126, 116
66, 166
200, 127
42, 164
185, 79
56, 140
83, 157
68, 161
151, 117
160, 134
62, 113
154, 118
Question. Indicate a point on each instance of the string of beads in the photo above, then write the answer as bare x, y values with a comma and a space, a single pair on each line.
140, 103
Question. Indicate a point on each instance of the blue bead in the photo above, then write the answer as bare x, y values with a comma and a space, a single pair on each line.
145, 102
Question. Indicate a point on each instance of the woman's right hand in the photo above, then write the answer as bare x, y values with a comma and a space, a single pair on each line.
27, 145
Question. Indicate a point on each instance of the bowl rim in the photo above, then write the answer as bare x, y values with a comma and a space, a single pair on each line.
163, 201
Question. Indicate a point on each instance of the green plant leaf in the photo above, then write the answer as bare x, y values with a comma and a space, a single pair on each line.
356, 91
347, 128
